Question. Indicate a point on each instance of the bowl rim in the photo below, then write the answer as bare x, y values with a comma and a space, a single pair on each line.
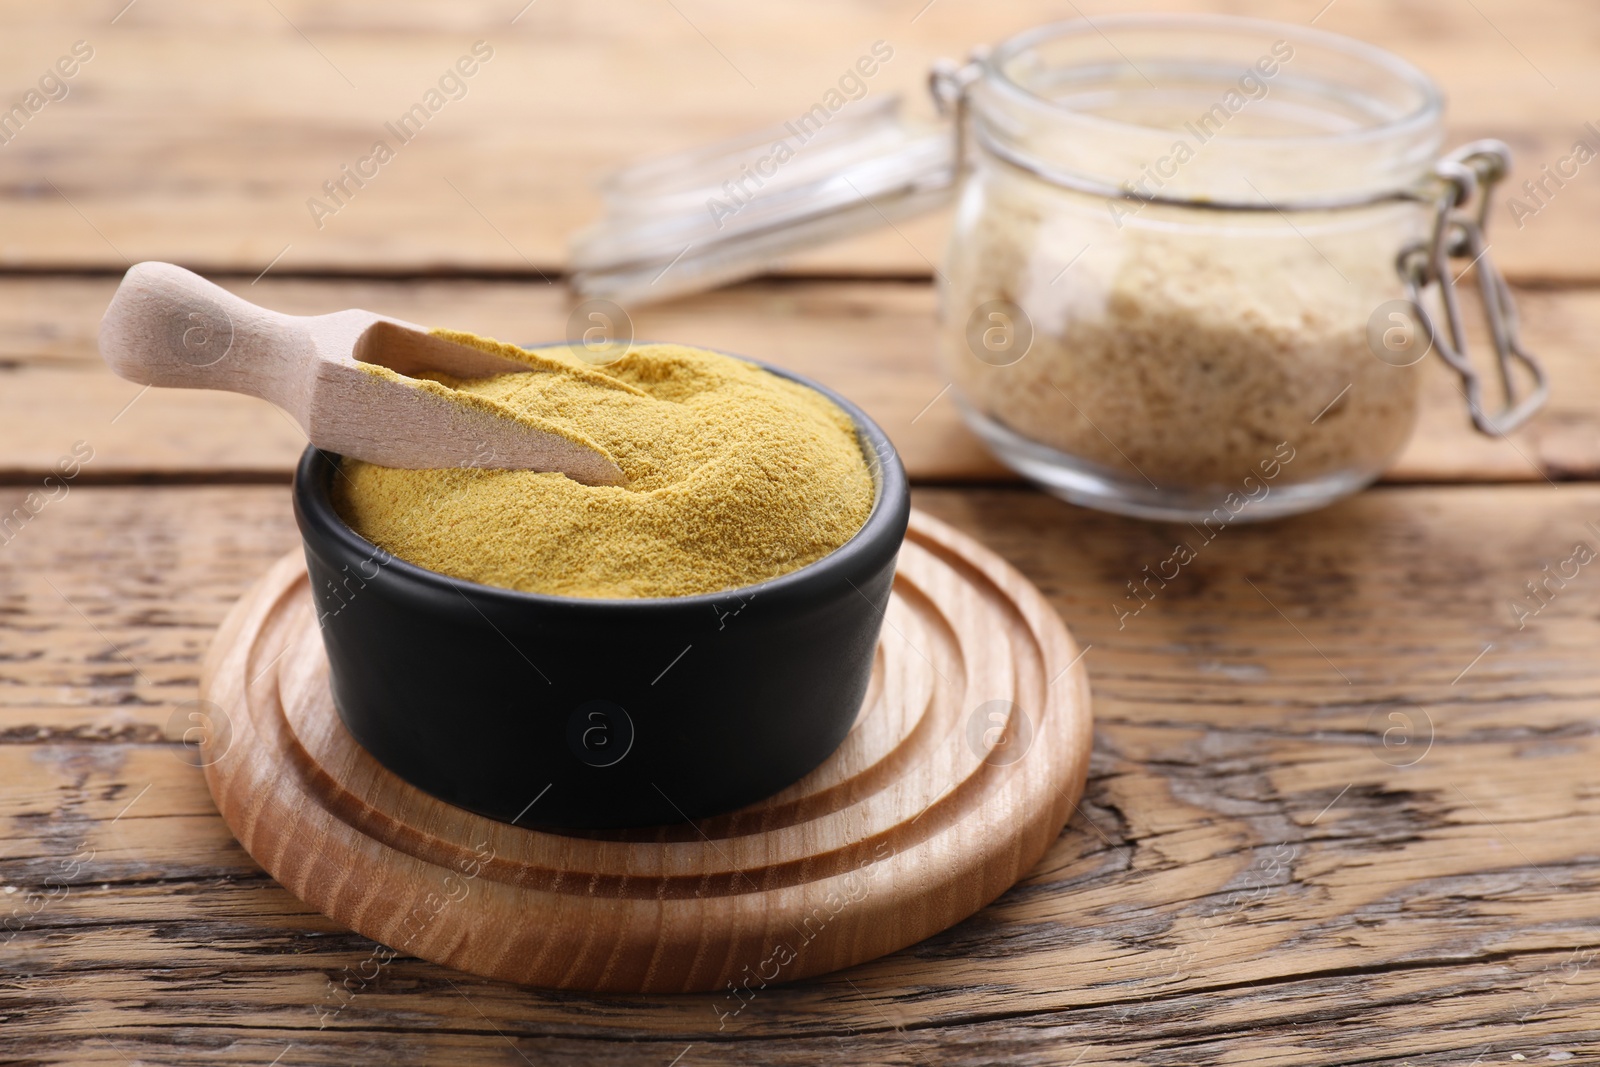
313, 505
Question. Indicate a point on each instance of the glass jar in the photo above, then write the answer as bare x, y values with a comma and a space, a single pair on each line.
1171, 289
1196, 260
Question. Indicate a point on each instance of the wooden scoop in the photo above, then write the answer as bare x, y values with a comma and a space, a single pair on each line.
168, 326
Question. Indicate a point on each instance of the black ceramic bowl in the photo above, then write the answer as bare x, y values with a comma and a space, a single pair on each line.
567, 712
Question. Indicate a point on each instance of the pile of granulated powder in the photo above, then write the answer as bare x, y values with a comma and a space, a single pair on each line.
1182, 350
734, 476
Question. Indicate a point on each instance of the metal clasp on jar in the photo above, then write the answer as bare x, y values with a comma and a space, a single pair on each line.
1464, 184
948, 82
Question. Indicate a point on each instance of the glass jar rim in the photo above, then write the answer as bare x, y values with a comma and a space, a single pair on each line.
1427, 112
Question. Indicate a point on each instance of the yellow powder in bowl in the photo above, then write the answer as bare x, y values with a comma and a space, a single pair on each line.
735, 476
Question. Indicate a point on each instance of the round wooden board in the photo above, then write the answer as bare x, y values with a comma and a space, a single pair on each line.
967, 759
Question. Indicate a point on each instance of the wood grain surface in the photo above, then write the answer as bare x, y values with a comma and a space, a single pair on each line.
198, 132
872, 341
1340, 808
968, 756
1352, 825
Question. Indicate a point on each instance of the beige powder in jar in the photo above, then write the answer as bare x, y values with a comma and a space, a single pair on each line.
1183, 346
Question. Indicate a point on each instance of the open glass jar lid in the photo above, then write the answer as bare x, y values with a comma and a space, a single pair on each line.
695, 220
1195, 259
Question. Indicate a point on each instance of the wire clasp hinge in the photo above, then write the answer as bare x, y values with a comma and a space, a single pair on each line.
948, 82
1465, 181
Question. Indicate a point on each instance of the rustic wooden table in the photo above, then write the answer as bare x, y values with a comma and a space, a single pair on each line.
1341, 807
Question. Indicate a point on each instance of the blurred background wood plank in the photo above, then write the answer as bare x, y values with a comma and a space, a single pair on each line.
872, 341
197, 132
1348, 821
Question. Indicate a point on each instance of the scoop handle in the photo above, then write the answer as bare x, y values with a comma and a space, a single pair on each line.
169, 326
